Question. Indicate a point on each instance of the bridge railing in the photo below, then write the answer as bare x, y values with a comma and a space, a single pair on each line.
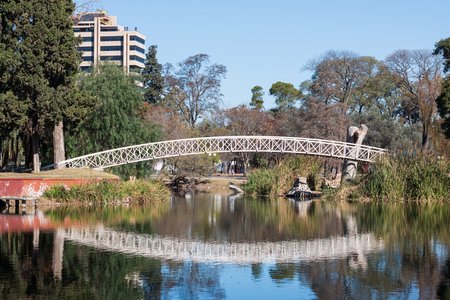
223, 144
224, 251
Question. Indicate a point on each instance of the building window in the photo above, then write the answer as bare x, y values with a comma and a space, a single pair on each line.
109, 57
87, 58
85, 49
137, 39
111, 38
111, 48
109, 29
137, 58
87, 39
88, 29
138, 49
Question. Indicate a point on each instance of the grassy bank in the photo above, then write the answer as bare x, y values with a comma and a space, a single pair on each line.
143, 192
407, 178
278, 180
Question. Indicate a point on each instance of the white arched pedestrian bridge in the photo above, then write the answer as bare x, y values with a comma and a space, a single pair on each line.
180, 249
224, 144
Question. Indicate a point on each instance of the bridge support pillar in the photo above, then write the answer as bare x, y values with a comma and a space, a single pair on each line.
354, 135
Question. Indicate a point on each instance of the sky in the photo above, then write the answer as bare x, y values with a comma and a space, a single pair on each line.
262, 42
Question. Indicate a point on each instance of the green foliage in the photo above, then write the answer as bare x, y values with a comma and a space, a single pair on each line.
278, 180
386, 132
443, 47
443, 101
12, 114
408, 178
110, 192
116, 121
285, 94
443, 106
152, 78
257, 100
38, 63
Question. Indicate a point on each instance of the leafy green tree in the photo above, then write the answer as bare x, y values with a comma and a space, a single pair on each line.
152, 77
285, 94
257, 100
116, 121
38, 35
443, 101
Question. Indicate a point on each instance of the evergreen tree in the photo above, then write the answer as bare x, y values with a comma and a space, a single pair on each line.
443, 101
41, 62
257, 100
152, 78
116, 121
285, 95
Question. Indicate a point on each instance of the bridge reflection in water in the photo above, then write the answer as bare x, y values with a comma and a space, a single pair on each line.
180, 249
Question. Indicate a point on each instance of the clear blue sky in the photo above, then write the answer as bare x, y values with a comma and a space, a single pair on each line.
261, 41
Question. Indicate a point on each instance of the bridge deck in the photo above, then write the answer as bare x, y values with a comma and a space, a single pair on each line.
224, 144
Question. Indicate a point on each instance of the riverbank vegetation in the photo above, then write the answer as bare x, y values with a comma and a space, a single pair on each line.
276, 181
419, 178
399, 178
142, 192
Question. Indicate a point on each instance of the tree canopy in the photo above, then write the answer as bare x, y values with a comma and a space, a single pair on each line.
194, 86
153, 80
286, 95
117, 118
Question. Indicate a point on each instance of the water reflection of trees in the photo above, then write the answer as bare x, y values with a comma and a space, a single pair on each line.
26, 271
415, 262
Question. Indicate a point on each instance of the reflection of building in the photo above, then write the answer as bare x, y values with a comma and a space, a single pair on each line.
103, 40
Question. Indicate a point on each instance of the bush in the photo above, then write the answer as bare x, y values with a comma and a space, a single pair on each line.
110, 192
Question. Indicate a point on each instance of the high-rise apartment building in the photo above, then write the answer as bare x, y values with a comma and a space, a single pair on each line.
104, 40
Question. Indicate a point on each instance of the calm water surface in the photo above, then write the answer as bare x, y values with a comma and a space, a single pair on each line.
216, 246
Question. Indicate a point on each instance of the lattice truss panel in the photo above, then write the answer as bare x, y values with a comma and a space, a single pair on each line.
223, 251
220, 144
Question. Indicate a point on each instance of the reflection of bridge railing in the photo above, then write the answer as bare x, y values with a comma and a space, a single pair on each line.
221, 251
274, 144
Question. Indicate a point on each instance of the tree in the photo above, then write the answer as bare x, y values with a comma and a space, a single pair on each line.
152, 78
38, 35
257, 100
419, 78
194, 87
285, 94
443, 101
116, 121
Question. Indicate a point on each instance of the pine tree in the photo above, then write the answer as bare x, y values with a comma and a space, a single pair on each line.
152, 78
257, 100
38, 35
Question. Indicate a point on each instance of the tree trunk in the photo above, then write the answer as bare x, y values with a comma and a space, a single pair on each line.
1, 154
36, 162
59, 153
425, 136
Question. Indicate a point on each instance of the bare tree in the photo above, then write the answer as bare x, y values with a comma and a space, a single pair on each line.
194, 87
419, 77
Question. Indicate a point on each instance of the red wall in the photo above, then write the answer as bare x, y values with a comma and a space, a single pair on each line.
35, 187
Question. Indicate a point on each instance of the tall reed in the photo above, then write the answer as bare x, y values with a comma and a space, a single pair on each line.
409, 177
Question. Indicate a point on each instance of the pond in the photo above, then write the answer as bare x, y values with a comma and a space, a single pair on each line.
210, 246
